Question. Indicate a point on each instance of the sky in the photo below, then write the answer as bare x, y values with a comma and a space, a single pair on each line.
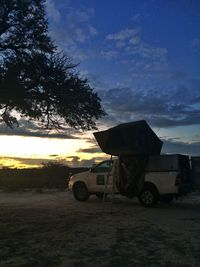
143, 59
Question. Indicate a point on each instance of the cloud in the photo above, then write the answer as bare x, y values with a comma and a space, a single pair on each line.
110, 54
18, 162
146, 51
74, 161
52, 11
80, 15
195, 44
73, 30
178, 147
177, 75
136, 17
134, 40
131, 46
71, 161
40, 134
168, 106
13, 162
95, 149
78, 25
93, 31
30, 129
123, 35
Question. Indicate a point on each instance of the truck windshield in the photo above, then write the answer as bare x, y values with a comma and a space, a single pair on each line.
103, 167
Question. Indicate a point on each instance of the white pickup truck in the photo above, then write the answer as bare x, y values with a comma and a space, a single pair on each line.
166, 177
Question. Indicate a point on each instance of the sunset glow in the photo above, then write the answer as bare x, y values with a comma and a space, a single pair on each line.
18, 151
20, 146
142, 58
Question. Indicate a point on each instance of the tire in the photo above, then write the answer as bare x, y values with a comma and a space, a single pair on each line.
166, 199
80, 191
149, 196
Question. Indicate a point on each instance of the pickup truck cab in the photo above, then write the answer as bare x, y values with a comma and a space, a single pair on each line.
166, 177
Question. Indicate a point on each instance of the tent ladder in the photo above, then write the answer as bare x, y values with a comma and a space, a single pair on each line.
106, 186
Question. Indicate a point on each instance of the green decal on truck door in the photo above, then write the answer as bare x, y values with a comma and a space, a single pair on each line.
100, 179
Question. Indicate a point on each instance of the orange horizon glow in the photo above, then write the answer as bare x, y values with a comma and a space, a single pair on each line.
16, 151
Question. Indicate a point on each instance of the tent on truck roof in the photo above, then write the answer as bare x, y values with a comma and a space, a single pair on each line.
133, 138
133, 142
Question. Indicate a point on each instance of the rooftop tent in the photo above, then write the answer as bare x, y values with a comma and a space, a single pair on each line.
133, 138
133, 142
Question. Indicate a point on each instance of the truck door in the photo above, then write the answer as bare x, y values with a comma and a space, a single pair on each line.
99, 176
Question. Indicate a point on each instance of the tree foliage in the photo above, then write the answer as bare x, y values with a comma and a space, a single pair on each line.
36, 81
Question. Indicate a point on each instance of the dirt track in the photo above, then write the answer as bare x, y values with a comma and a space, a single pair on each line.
52, 229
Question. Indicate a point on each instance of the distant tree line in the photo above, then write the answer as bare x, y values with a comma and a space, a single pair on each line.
50, 176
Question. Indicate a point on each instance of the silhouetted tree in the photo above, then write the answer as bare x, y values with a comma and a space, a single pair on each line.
54, 165
35, 80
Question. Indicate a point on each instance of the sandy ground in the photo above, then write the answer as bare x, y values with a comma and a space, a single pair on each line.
53, 229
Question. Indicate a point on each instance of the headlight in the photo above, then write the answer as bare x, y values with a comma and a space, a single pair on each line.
71, 177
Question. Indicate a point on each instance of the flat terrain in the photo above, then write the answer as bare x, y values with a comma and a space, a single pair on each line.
52, 229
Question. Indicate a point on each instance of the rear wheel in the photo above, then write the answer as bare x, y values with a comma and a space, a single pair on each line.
80, 191
149, 196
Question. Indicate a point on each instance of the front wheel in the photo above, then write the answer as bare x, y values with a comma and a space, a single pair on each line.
80, 191
149, 196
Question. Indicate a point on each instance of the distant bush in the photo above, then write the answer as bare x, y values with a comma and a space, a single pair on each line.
53, 176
